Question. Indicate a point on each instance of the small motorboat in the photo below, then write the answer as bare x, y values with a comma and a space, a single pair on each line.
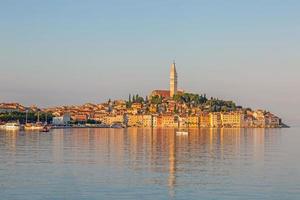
182, 133
45, 129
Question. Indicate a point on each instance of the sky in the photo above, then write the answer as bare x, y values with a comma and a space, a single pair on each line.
61, 52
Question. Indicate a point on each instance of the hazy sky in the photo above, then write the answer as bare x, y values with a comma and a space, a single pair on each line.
70, 52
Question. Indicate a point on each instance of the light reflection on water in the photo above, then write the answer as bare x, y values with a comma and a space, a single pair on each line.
140, 163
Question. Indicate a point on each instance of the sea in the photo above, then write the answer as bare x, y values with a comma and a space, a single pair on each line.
145, 163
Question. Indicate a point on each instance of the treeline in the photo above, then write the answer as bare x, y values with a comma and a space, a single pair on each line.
217, 105
135, 98
21, 117
190, 99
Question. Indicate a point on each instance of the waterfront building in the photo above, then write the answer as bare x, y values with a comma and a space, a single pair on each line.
61, 120
98, 116
79, 117
182, 121
232, 119
204, 120
167, 121
159, 121
271, 120
134, 120
149, 121
249, 121
193, 121
259, 118
215, 120
141, 120
154, 121
112, 119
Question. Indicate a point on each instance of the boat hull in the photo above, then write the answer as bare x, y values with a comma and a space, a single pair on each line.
33, 128
182, 133
11, 127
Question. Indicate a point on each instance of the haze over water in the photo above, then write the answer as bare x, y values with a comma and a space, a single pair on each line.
150, 164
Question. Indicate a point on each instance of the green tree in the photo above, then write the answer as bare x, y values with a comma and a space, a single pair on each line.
156, 99
91, 121
175, 109
177, 98
129, 98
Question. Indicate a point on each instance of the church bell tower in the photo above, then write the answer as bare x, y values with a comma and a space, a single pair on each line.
173, 80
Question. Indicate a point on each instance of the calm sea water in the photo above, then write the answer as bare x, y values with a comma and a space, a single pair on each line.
150, 164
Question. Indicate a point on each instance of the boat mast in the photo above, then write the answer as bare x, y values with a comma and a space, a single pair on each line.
38, 117
46, 118
26, 116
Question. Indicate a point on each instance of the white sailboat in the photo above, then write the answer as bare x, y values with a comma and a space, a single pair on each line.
38, 126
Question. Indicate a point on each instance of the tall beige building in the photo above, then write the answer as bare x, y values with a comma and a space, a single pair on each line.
173, 80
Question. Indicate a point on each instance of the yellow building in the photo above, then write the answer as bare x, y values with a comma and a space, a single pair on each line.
168, 121
193, 121
204, 120
149, 121
232, 119
137, 106
134, 120
182, 122
141, 120
120, 106
109, 120
153, 108
215, 120
131, 111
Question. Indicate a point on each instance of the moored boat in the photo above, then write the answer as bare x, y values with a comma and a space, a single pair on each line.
182, 133
33, 127
11, 126
117, 125
46, 129
2, 126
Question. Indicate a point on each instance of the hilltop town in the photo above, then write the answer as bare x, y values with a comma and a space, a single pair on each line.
162, 108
